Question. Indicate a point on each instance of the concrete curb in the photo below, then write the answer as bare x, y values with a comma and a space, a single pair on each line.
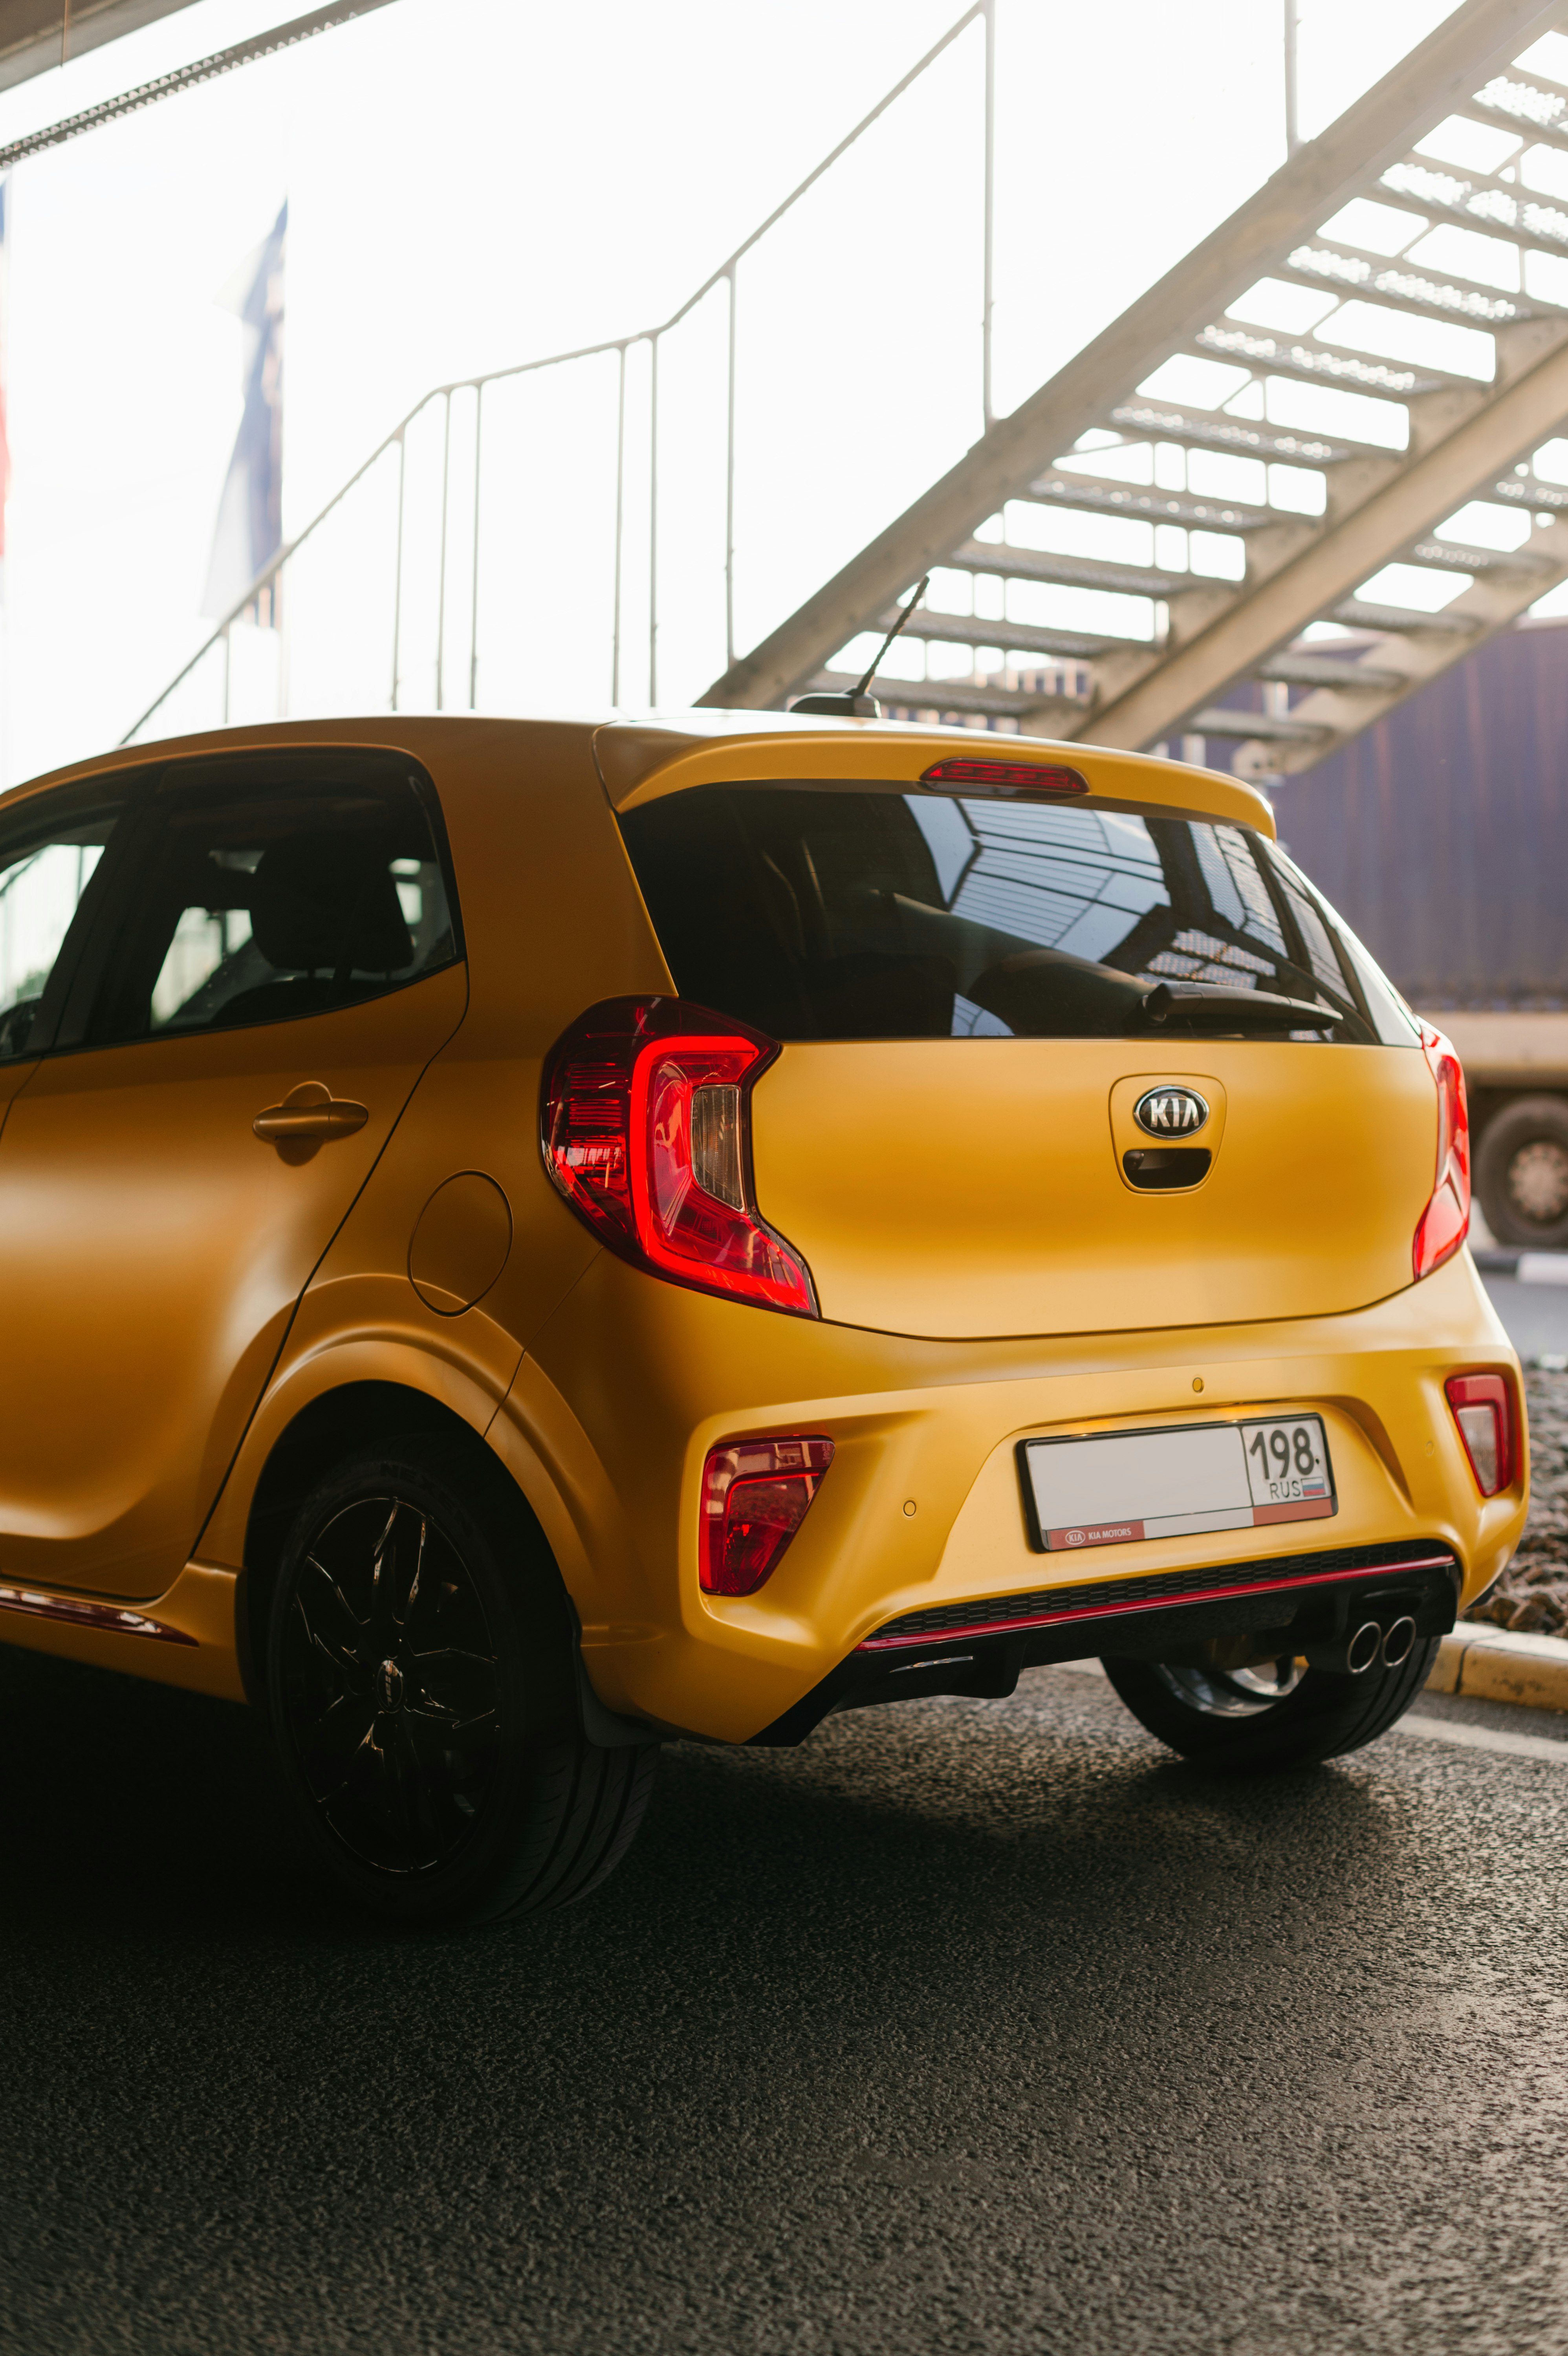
1529, 1267
1496, 1665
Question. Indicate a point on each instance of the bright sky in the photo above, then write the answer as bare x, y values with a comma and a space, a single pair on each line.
475, 182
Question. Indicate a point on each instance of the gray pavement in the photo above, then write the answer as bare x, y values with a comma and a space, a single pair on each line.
968, 2027
1535, 1314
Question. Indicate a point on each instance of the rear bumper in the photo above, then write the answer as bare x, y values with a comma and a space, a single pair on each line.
918, 1545
967, 1649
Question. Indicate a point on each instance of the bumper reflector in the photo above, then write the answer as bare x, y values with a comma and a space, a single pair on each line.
1483, 1408
755, 1494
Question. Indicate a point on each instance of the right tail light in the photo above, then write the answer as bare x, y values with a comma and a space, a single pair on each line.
1445, 1222
1483, 1406
646, 1130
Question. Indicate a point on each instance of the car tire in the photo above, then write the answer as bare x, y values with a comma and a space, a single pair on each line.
1522, 1173
421, 1688
1229, 1722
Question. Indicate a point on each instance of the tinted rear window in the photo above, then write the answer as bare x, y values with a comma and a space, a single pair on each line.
843, 915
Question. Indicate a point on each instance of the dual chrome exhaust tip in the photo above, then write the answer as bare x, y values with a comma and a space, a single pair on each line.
1370, 1646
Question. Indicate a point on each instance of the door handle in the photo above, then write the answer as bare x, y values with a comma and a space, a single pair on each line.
308, 1115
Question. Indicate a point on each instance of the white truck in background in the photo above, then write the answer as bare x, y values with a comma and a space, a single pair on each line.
1516, 1073
1441, 833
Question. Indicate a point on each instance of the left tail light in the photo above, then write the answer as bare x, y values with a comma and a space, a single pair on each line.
646, 1130
755, 1495
1445, 1222
1483, 1408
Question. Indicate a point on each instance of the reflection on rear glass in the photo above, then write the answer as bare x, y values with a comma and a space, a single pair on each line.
846, 915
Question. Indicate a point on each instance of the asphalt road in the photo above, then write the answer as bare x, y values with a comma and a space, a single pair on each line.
968, 2027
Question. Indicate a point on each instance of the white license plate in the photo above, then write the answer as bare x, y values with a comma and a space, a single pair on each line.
1117, 1487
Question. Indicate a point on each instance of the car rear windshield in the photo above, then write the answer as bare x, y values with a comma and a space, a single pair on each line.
819, 912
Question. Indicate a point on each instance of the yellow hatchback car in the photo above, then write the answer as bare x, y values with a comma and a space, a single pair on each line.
520, 1241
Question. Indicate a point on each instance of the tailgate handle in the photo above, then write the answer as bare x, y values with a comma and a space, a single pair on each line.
308, 1115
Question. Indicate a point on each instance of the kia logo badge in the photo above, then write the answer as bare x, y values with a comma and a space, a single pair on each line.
1170, 1112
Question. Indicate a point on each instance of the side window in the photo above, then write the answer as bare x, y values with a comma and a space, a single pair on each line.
48, 855
272, 886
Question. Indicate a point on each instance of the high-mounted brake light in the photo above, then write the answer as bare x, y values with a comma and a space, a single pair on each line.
1445, 1222
1483, 1406
646, 1130
1005, 776
755, 1495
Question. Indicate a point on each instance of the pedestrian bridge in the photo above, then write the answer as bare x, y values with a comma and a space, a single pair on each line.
1304, 472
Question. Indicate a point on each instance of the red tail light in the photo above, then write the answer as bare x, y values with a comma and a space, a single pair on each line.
647, 1131
1445, 1222
755, 1495
1483, 1408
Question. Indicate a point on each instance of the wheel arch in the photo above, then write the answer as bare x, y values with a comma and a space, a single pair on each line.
324, 1429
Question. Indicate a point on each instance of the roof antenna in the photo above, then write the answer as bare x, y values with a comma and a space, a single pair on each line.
855, 703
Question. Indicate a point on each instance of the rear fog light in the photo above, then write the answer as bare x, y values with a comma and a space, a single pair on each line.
755, 1494
1483, 1408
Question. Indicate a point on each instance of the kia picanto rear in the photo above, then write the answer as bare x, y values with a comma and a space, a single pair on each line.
1033, 1229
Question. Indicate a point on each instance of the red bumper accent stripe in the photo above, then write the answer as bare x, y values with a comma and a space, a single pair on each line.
109, 1618
1153, 1603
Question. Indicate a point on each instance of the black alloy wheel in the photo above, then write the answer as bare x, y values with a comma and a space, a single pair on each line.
422, 1687
392, 1686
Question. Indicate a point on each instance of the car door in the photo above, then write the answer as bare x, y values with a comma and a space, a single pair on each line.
275, 959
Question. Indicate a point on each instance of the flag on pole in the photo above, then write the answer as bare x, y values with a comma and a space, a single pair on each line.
5, 363
249, 530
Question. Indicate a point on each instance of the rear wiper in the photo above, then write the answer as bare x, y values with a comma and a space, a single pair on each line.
1201, 1006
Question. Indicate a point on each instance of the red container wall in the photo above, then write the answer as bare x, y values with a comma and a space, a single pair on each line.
1441, 833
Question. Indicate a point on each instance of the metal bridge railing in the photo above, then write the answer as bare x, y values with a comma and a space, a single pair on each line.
412, 521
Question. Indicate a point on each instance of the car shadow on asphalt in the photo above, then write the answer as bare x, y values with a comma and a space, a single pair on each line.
957, 1981
137, 1813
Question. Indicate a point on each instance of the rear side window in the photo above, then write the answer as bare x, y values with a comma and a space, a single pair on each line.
835, 914
265, 888
49, 856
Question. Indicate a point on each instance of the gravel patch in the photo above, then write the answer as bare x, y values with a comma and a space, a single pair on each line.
1532, 1593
